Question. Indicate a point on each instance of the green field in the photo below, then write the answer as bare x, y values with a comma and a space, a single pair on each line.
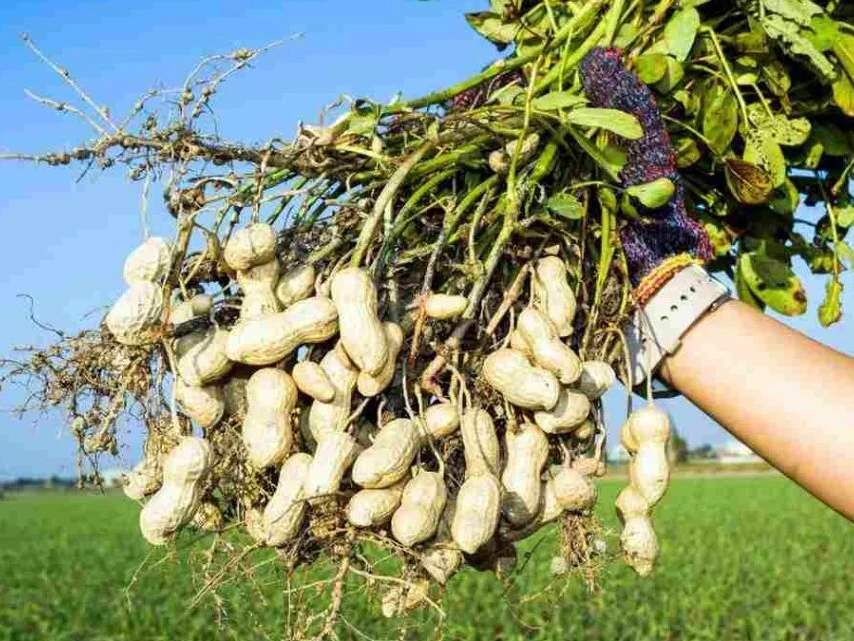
742, 559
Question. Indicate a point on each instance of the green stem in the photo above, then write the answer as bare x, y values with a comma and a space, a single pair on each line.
720, 53
504, 65
369, 228
558, 72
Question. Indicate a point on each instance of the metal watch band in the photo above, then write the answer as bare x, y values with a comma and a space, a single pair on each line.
656, 330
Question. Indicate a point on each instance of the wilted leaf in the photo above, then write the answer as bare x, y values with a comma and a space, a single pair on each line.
687, 152
788, 34
558, 100
761, 149
619, 122
565, 205
653, 194
651, 67
774, 283
799, 11
492, 27
672, 76
720, 121
680, 31
830, 310
750, 184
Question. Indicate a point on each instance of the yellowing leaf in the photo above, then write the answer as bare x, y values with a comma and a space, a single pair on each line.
750, 184
761, 149
774, 283
830, 310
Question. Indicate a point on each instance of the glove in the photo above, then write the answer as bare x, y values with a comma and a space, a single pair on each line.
665, 239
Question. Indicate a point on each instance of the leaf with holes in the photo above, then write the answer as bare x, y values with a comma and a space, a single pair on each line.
774, 283
762, 150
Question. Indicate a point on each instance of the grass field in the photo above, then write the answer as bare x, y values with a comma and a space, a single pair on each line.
743, 559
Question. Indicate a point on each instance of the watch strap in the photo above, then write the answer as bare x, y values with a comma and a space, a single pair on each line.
655, 331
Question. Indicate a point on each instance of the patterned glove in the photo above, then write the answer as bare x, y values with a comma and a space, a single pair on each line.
666, 239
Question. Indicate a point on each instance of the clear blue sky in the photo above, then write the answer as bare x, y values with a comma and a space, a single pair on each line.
64, 241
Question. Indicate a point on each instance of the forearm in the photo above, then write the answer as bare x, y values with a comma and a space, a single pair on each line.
788, 397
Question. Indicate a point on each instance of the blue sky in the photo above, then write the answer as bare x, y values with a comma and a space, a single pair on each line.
65, 239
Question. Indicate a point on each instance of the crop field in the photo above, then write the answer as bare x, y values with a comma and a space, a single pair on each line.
742, 559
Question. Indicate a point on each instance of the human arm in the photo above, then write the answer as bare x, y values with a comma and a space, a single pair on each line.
788, 397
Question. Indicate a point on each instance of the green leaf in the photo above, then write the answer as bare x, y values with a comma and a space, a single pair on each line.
844, 215
777, 78
558, 100
651, 67
672, 77
718, 235
743, 290
789, 35
720, 122
687, 152
830, 310
614, 120
625, 35
799, 11
774, 283
843, 48
363, 123
824, 31
565, 205
616, 156
786, 199
653, 194
750, 184
762, 150
680, 31
843, 94
508, 94
492, 27
844, 253
834, 141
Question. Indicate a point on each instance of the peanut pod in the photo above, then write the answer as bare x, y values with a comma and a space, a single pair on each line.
205, 404
310, 379
205, 361
362, 335
480, 444
552, 294
371, 385
547, 350
571, 411
389, 458
134, 319
509, 373
267, 431
373, 507
332, 416
527, 451
478, 509
445, 306
250, 246
335, 452
295, 285
149, 262
284, 514
421, 505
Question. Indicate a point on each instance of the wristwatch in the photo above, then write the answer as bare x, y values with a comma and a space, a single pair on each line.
656, 330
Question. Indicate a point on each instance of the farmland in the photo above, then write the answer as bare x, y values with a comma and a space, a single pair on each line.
742, 559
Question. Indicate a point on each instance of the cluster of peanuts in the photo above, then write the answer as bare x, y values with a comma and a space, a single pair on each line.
311, 408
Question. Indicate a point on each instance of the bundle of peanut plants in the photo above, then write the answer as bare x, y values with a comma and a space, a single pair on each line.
393, 332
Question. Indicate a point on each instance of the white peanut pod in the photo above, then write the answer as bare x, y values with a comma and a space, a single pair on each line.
421, 505
477, 511
389, 458
441, 420
574, 491
480, 443
442, 558
332, 416
149, 262
445, 306
509, 373
183, 311
174, 504
648, 430
371, 385
205, 404
596, 378
250, 246
518, 342
205, 361
313, 381
362, 334
571, 411
527, 451
547, 350
269, 339
552, 294
295, 285
259, 297
142, 480
638, 540
551, 506
585, 431
267, 431
335, 452
373, 507
135, 317
284, 513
